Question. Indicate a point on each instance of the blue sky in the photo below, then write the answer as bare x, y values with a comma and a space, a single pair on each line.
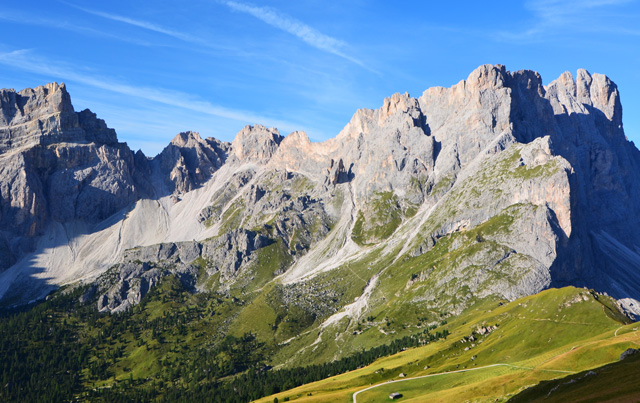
153, 68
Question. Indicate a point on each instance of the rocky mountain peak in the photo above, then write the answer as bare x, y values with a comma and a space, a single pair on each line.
298, 138
488, 76
297, 141
582, 83
186, 139
596, 91
527, 80
58, 166
296, 151
188, 161
604, 96
28, 104
44, 115
256, 143
360, 123
396, 103
567, 82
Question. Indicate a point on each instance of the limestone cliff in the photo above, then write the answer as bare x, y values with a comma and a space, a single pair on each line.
57, 165
497, 185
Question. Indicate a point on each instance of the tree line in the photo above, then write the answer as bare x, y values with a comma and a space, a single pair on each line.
62, 350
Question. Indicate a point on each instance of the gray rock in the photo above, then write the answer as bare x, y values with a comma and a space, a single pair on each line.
255, 144
224, 195
628, 352
56, 164
189, 161
142, 268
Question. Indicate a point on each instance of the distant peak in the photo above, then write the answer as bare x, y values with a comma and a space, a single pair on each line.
48, 90
37, 104
186, 139
48, 98
256, 143
595, 90
257, 132
54, 86
488, 76
297, 137
394, 104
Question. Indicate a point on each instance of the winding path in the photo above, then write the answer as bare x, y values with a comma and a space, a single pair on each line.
450, 372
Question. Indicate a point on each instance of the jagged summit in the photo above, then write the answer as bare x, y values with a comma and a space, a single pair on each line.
43, 116
256, 143
587, 91
186, 139
28, 104
402, 103
188, 161
542, 175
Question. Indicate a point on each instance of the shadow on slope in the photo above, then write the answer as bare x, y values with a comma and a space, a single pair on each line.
605, 186
614, 382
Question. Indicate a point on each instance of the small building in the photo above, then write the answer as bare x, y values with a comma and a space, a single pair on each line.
395, 395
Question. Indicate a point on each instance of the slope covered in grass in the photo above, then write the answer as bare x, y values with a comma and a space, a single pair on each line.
495, 349
617, 381
176, 345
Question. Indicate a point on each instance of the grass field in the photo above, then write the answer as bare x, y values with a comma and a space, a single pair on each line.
537, 338
616, 382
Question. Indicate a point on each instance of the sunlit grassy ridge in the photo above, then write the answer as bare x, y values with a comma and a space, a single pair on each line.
536, 338
179, 345
617, 381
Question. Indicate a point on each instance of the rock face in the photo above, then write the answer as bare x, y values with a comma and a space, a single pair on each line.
605, 186
44, 116
128, 282
498, 185
189, 161
57, 165
255, 143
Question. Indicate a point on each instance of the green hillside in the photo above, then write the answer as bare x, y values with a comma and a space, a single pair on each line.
176, 345
614, 382
533, 339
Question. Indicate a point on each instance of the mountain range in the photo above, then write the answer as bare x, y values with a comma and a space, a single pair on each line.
446, 214
547, 169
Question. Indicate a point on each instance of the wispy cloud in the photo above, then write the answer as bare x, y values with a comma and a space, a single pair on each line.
553, 16
202, 44
299, 29
23, 19
558, 12
141, 24
268, 15
148, 125
26, 61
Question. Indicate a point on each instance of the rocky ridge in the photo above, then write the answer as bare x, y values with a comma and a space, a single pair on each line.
57, 165
497, 185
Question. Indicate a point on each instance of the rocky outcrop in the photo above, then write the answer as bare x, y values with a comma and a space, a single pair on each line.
588, 133
255, 144
44, 116
58, 165
628, 352
142, 268
338, 173
189, 161
378, 151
